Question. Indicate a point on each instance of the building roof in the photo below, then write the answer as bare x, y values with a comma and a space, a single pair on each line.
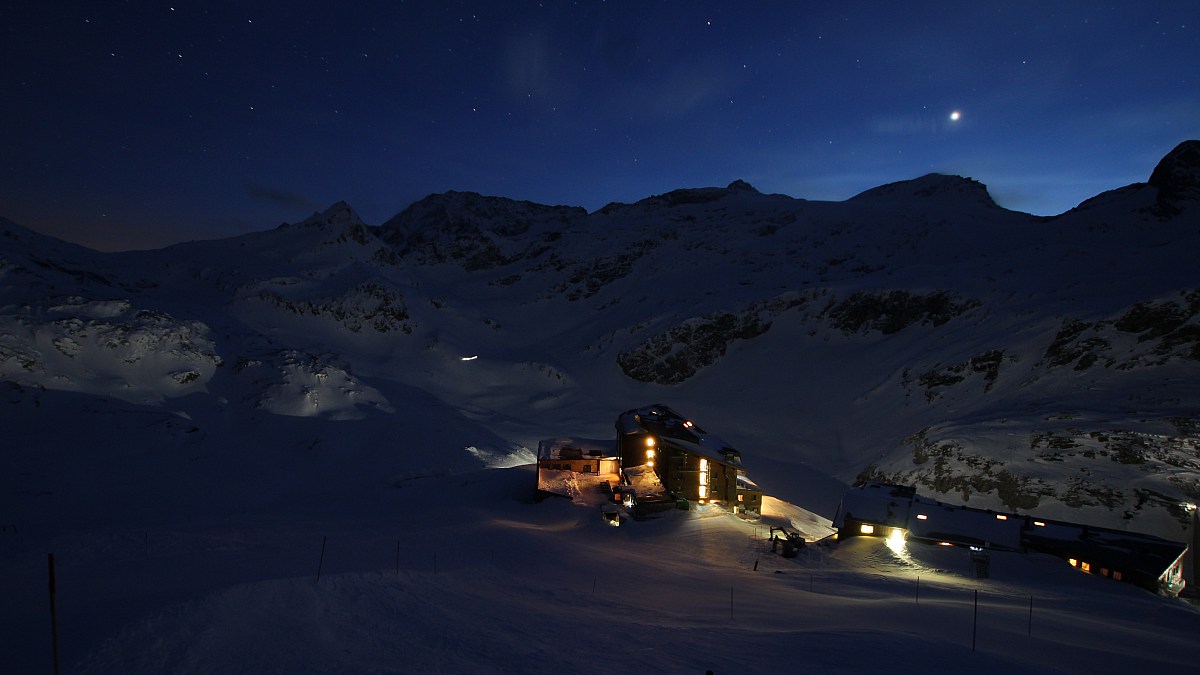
1124, 551
552, 449
675, 429
877, 503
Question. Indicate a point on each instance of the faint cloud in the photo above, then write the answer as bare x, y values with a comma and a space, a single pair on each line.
529, 65
686, 88
279, 197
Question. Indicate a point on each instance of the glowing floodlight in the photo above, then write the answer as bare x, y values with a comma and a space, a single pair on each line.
866, 528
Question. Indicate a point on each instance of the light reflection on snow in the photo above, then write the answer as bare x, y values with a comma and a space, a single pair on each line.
895, 542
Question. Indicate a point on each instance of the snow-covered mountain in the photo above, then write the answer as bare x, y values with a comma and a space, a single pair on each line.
185, 428
916, 333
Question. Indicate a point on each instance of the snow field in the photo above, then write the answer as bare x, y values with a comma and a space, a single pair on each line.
489, 582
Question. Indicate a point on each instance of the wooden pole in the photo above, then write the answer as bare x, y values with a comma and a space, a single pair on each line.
918, 589
1030, 631
321, 563
53, 615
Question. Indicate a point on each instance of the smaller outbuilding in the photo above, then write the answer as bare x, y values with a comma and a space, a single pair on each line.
897, 511
571, 467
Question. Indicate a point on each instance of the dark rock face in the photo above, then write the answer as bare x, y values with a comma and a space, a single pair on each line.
370, 305
475, 231
985, 366
679, 353
1177, 176
1166, 328
948, 467
892, 311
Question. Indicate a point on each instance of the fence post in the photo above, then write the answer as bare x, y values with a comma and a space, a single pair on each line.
1030, 630
975, 620
918, 601
53, 615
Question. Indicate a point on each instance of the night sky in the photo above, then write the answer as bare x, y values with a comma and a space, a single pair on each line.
139, 124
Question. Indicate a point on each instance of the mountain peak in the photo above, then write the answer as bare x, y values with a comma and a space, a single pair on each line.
339, 219
1177, 175
942, 186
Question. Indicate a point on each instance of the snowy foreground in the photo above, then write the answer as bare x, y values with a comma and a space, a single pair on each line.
466, 574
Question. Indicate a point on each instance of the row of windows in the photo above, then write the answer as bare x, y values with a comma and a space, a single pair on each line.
586, 468
1087, 567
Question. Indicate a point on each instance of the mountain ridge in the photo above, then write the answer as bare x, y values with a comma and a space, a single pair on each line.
916, 332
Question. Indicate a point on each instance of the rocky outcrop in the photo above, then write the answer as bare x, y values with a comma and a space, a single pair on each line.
677, 354
1162, 330
475, 231
368, 305
1177, 177
890, 312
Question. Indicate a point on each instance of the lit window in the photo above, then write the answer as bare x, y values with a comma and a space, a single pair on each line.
650, 463
866, 528
650, 442
944, 543
1103, 571
687, 424
650, 453
1001, 516
741, 498
1039, 523
1086, 567
1117, 576
703, 491
922, 516
703, 464
1074, 562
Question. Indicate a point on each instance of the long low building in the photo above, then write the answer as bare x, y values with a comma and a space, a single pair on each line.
883, 510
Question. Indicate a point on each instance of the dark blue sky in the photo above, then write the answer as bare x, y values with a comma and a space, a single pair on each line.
138, 124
